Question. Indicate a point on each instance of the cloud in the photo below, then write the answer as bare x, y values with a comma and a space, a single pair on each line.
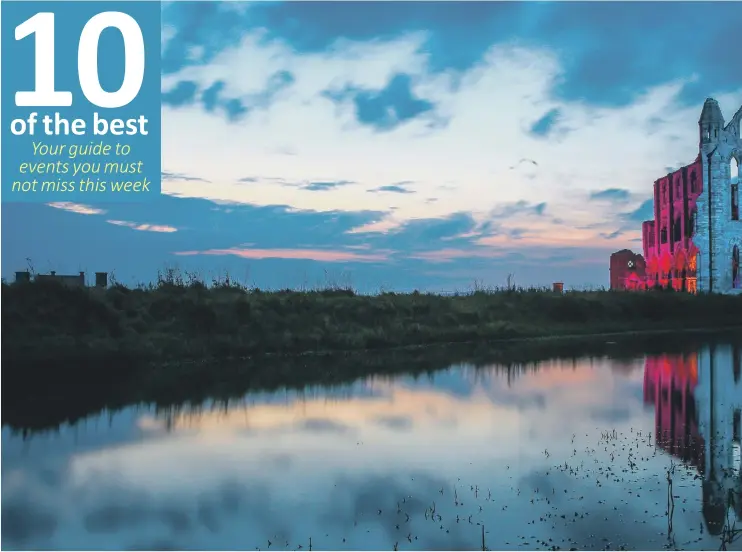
327, 256
387, 108
324, 186
183, 93
430, 231
308, 185
645, 211
545, 125
77, 208
171, 176
611, 194
398, 188
518, 208
611, 235
213, 100
161, 228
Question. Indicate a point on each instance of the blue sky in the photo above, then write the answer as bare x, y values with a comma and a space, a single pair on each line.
403, 145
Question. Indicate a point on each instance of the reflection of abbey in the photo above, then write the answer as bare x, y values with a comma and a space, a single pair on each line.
693, 242
697, 401
719, 400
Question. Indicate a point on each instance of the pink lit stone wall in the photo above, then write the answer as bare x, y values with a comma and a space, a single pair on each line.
668, 239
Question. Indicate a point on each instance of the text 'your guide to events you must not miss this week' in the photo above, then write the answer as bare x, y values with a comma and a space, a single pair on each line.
81, 101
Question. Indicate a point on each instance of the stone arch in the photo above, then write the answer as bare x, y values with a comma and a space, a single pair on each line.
735, 125
734, 167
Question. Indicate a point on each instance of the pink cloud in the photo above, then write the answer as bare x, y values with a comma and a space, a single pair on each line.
78, 208
448, 255
144, 227
325, 255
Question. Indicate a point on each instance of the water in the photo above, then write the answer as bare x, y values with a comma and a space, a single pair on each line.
563, 455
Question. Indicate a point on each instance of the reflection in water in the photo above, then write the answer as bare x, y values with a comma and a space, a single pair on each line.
705, 390
719, 401
669, 384
568, 455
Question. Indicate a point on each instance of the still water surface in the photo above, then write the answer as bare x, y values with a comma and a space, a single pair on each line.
563, 455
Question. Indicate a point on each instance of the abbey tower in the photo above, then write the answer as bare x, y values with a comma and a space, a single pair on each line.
718, 228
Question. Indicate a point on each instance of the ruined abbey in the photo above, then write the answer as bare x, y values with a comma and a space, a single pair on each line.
693, 242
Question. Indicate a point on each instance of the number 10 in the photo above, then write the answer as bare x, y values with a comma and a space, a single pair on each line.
44, 94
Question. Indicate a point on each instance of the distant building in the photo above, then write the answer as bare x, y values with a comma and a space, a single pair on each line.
74, 280
77, 280
693, 241
101, 279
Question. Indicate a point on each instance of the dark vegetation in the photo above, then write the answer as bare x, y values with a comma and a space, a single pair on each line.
78, 350
176, 319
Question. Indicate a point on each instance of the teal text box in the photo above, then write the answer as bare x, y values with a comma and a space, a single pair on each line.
85, 168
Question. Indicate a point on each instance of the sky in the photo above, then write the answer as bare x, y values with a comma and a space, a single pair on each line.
395, 146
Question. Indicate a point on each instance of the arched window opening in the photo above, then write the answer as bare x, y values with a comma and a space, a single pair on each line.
734, 188
693, 183
677, 229
690, 224
735, 268
735, 201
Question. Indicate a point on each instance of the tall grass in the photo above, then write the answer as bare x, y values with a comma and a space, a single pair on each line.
181, 316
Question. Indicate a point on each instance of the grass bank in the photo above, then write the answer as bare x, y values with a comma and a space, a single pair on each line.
175, 320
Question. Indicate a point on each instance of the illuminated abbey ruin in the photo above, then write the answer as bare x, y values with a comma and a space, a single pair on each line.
697, 399
693, 242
